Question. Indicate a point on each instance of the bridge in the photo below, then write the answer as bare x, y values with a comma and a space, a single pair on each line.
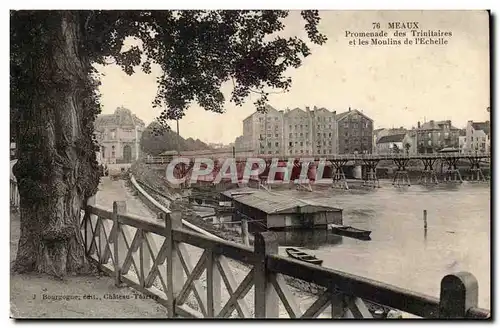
335, 166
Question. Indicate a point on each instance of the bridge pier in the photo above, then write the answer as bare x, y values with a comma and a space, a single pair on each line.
475, 169
338, 177
304, 185
370, 177
428, 175
452, 173
401, 177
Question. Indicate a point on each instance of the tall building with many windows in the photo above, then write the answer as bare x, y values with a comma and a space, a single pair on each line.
291, 132
477, 137
355, 132
263, 132
434, 136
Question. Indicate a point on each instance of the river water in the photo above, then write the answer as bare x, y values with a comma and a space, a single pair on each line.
400, 252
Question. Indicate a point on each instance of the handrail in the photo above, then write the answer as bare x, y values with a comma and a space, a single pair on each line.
330, 157
458, 298
167, 211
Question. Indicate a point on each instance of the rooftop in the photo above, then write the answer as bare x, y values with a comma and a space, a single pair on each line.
273, 203
343, 115
436, 125
485, 126
392, 138
122, 117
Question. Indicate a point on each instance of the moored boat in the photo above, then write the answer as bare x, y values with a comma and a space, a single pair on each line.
350, 231
302, 256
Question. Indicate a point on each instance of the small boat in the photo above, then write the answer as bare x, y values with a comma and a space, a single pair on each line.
301, 256
350, 231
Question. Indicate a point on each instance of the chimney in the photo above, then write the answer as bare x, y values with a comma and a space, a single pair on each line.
418, 125
349, 108
288, 110
315, 108
307, 109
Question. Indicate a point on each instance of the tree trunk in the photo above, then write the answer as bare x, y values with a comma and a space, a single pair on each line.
55, 166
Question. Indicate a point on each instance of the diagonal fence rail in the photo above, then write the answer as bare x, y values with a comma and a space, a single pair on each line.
198, 276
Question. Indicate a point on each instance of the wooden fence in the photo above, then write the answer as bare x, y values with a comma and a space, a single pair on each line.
194, 275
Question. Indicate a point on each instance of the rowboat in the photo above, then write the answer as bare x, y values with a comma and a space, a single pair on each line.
350, 231
301, 256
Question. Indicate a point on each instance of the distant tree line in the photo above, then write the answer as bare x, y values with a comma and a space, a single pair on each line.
154, 143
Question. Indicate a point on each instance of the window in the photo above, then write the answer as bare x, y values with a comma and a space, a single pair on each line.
295, 135
319, 135
276, 144
346, 125
330, 134
295, 125
329, 143
261, 119
319, 127
301, 126
307, 134
277, 152
302, 143
301, 134
290, 127
290, 144
324, 151
269, 152
275, 118
324, 135
329, 151
269, 144
276, 135
329, 126
290, 135
301, 151
429, 142
307, 151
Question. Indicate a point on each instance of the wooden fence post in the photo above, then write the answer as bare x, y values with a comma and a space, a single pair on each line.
459, 292
119, 207
175, 273
266, 298
88, 224
213, 286
244, 231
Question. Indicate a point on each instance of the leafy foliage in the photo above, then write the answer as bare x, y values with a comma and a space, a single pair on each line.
154, 144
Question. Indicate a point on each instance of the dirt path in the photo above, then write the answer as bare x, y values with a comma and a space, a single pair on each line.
110, 191
39, 296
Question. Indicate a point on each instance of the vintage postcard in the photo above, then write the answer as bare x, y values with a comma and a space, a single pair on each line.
250, 164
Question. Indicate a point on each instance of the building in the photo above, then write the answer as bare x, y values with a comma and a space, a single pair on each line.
410, 144
477, 137
276, 212
263, 132
291, 132
324, 131
382, 132
433, 136
391, 144
355, 132
118, 136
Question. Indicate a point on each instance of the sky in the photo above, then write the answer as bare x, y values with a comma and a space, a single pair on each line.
395, 85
